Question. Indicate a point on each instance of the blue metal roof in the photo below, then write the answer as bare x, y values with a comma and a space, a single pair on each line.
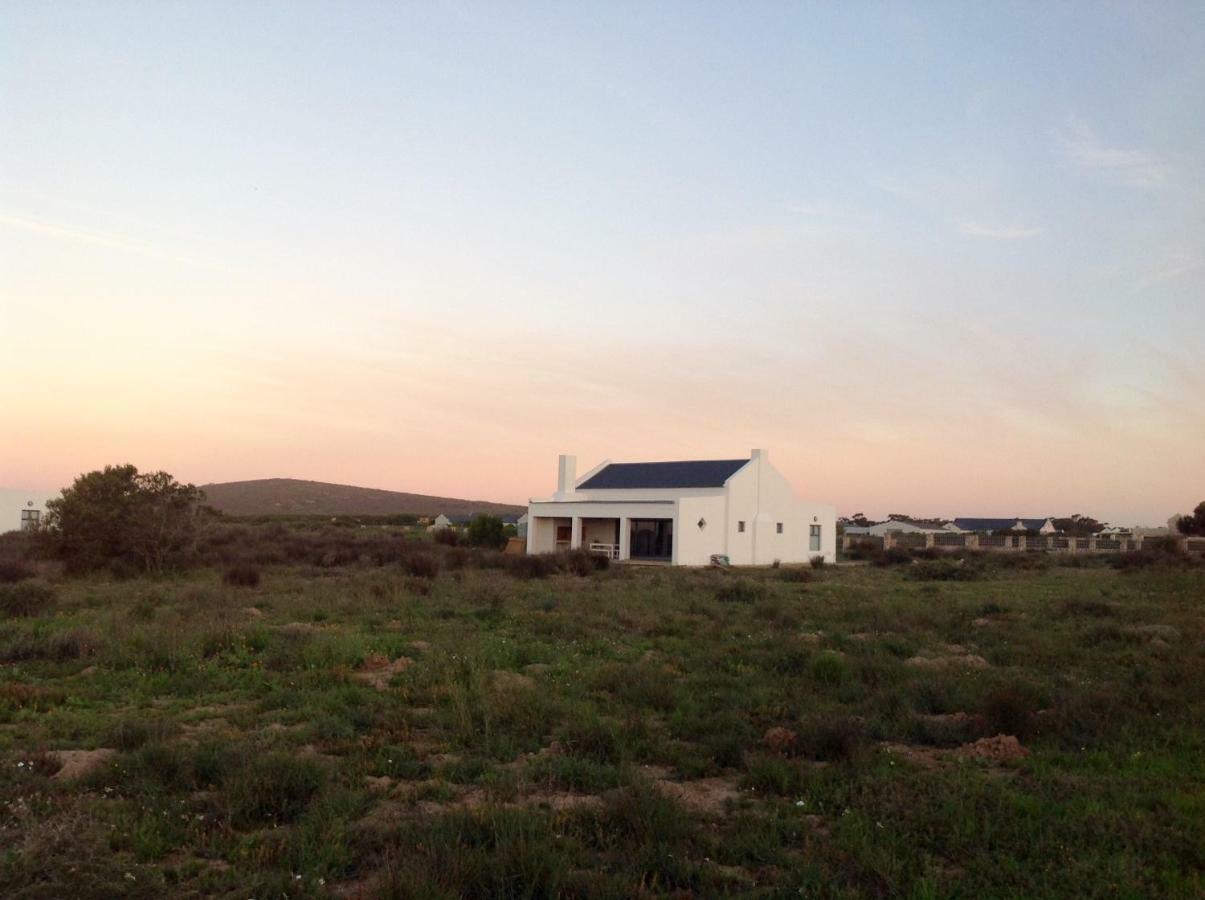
695, 473
998, 524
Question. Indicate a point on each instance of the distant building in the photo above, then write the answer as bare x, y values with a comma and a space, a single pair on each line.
439, 523
894, 526
990, 526
521, 526
22, 510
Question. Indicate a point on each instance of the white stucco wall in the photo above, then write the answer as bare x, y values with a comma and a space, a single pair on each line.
761, 497
13, 500
694, 546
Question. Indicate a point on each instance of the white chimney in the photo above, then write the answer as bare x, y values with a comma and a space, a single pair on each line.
566, 476
759, 454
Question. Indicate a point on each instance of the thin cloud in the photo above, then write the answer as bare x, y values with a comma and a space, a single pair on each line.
999, 233
1175, 266
113, 242
1134, 168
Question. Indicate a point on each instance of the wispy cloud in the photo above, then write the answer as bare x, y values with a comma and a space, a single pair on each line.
1174, 266
997, 232
1135, 168
100, 239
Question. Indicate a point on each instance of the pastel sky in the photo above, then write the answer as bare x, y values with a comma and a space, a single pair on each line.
942, 259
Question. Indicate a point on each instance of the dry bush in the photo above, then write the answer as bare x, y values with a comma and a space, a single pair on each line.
242, 575
25, 598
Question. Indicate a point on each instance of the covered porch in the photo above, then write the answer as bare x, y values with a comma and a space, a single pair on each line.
619, 530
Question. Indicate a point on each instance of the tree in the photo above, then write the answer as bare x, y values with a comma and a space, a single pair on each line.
1193, 524
1078, 526
117, 514
487, 531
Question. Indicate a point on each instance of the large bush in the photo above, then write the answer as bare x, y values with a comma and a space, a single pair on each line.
119, 516
487, 531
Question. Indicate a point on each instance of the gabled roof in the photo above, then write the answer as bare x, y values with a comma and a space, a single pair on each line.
694, 473
998, 524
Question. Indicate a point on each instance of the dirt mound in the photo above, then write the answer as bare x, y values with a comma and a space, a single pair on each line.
948, 661
505, 680
78, 763
377, 670
709, 796
782, 741
999, 749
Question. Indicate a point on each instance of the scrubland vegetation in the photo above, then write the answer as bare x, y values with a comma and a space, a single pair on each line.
326, 712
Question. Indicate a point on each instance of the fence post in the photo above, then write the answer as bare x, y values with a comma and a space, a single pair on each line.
971, 541
887, 540
928, 539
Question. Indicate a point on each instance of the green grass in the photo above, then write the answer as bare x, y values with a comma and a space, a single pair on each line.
605, 734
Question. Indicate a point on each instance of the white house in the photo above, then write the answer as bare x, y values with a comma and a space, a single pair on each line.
894, 526
682, 513
989, 526
21, 509
441, 522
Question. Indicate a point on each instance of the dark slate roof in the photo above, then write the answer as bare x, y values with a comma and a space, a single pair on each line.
998, 524
694, 473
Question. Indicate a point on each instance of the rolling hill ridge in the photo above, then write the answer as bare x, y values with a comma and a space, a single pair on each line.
295, 497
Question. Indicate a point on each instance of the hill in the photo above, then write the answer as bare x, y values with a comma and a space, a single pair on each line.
293, 497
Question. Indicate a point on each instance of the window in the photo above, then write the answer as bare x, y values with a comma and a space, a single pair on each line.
740, 526
30, 518
813, 537
780, 527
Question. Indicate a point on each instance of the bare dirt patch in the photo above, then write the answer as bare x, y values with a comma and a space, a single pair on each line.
709, 796
78, 763
505, 680
1001, 748
955, 660
377, 670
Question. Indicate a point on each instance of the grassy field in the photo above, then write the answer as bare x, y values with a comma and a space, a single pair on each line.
358, 730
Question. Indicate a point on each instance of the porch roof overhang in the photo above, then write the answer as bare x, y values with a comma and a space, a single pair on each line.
603, 509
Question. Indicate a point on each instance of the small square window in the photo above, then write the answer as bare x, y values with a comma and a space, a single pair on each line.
780, 527
740, 526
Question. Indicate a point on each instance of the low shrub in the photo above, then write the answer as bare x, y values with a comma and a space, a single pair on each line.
448, 537
741, 590
795, 576
272, 789
893, 556
829, 668
56, 647
817, 562
584, 563
837, 740
863, 550
1097, 609
12, 571
242, 575
534, 566
422, 565
944, 570
1010, 710
25, 598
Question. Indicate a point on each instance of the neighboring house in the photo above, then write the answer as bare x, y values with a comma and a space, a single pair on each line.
521, 526
894, 526
1114, 532
22, 510
989, 526
439, 523
682, 513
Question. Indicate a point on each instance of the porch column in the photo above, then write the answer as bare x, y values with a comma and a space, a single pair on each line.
625, 538
575, 533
